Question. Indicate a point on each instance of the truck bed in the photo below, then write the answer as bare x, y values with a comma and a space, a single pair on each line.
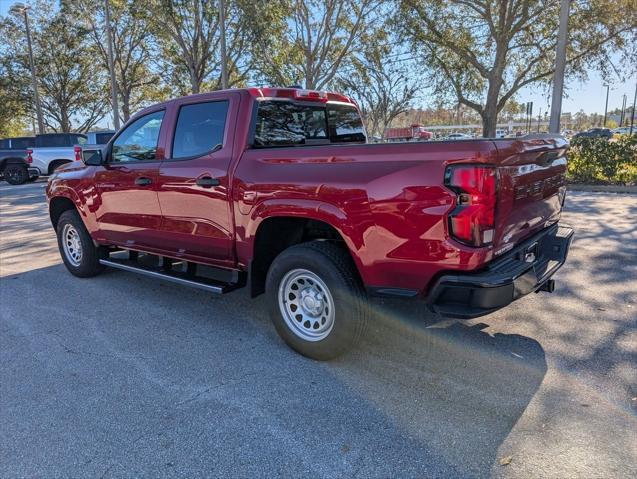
404, 240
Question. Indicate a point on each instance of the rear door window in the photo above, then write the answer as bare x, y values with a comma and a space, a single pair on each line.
200, 129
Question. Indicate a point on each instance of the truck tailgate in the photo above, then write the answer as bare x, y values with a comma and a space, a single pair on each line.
532, 185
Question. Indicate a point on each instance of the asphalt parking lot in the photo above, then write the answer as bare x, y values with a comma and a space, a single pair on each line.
123, 376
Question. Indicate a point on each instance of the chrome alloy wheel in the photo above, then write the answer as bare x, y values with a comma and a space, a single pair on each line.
306, 305
72, 244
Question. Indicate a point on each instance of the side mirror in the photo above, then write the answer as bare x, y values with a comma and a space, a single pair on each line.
92, 157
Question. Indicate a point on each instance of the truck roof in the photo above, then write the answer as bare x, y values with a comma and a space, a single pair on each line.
291, 93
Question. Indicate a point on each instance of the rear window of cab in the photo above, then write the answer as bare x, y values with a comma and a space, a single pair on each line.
285, 123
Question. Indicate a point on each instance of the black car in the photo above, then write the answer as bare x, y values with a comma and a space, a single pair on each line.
595, 133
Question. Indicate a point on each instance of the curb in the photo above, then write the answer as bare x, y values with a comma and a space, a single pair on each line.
603, 188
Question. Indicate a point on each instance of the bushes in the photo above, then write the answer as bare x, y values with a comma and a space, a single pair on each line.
598, 161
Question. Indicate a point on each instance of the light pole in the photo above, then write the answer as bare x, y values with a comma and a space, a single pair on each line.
21, 8
222, 31
560, 66
606, 107
632, 113
111, 67
621, 118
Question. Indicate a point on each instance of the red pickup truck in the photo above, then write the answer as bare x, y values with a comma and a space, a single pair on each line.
277, 190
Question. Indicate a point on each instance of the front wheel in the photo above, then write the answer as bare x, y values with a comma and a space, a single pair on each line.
81, 257
317, 303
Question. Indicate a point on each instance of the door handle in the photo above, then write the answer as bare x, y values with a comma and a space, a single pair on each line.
143, 181
207, 182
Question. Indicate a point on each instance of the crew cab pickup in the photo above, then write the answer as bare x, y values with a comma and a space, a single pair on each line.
276, 189
13, 160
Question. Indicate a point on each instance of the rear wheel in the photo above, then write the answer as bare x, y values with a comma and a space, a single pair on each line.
16, 174
317, 303
81, 257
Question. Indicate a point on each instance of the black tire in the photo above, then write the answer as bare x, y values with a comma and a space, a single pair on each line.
88, 264
16, 174
335, 268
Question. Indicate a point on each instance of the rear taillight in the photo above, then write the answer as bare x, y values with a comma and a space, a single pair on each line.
78, 153
473, 220
29, 156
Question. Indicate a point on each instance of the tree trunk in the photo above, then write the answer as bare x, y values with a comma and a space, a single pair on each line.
65, 124
490, 113
489, 124
195, 84
125, 106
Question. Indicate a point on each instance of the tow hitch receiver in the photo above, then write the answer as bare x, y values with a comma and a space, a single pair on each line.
548, 286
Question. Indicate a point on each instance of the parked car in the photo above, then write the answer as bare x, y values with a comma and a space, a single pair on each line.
500, 133
595, 133
276, 189
53, 150
458, 136
623, 130
13, 160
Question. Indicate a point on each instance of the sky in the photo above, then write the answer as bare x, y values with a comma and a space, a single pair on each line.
589, 96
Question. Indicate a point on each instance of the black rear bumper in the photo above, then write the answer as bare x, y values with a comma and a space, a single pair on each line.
523, 270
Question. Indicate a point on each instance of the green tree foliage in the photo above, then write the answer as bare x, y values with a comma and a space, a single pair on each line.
71, 88
484, 51
188, 35
14, 100
383, 89
318, 40
138, 85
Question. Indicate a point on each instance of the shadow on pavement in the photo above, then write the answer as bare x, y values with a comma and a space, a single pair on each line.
130, 364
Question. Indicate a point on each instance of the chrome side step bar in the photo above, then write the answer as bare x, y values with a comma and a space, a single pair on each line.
173, 276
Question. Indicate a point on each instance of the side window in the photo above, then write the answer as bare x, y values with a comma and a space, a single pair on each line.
345, 124
199, 129
283, 123
138, 142
102, 138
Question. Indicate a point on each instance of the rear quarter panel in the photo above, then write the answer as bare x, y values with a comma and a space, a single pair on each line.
43, 156
387, 201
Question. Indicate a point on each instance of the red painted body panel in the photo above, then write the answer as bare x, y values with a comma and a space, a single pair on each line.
198, 221
387, 201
